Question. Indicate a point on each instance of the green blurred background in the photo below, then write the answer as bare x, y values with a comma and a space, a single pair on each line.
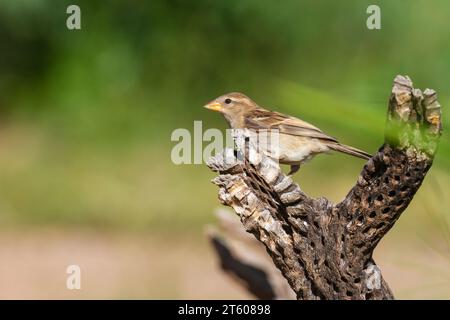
87, 115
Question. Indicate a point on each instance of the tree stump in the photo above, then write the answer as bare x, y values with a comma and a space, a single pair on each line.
324, 250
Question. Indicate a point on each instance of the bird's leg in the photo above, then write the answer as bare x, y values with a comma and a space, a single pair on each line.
294, 169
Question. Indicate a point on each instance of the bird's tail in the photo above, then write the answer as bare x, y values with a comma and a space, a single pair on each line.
350, 150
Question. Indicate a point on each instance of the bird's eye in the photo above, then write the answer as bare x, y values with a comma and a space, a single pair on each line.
228, 101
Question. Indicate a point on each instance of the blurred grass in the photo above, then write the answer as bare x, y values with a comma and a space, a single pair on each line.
46, 179
86, 116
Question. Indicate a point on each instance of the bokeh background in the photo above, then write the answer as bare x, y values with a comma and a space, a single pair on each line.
86, 118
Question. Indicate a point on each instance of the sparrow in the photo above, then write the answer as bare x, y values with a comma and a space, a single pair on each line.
299, 141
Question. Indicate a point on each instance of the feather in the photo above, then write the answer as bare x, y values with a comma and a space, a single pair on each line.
260, 119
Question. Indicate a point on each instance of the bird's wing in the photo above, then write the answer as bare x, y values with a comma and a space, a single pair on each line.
261, 119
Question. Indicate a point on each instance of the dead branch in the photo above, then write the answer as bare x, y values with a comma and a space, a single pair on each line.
324, 250
245, 259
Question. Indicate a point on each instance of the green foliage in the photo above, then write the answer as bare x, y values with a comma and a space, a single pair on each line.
92, 110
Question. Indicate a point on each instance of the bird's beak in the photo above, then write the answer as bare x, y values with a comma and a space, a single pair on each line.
215, 106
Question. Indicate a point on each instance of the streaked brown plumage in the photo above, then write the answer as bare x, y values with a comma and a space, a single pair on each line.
299, 141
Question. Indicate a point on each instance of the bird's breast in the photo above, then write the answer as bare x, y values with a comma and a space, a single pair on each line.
294, 149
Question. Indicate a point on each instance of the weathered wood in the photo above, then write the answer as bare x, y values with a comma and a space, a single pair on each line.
324, 250
245, 259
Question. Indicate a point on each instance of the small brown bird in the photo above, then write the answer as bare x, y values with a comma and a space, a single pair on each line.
299, 141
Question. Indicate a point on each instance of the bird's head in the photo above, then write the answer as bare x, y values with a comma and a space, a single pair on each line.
231, 104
